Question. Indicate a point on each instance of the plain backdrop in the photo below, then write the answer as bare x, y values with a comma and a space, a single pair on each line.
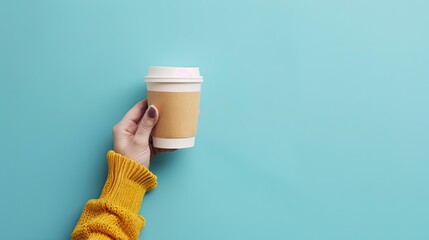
313, 125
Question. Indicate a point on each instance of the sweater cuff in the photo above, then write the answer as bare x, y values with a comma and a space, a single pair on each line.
127, 182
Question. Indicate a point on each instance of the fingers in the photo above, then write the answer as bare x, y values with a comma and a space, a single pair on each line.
149, 120
136, 112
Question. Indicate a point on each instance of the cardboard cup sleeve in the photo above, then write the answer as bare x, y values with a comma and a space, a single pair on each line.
178, 113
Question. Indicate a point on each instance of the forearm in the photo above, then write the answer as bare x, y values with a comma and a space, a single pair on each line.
115, 214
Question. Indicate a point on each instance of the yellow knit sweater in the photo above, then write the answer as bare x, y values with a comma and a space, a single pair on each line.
115, 214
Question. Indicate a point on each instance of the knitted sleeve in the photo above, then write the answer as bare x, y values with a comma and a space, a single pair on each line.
115, 214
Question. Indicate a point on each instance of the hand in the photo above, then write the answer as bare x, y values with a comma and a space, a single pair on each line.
131, 136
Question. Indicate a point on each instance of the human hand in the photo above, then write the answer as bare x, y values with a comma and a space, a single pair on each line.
131, 136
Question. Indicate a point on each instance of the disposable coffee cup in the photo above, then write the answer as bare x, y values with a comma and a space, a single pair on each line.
175, 92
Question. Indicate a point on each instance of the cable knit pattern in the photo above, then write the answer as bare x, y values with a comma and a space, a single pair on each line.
115, 214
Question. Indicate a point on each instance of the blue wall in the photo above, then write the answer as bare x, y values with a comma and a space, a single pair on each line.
314, 115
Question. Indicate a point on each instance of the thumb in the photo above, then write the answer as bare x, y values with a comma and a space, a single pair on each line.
147, 123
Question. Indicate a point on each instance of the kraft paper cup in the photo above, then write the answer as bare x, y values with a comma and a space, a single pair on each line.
175, 91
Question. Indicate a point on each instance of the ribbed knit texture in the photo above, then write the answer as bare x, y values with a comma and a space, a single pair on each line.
115, 214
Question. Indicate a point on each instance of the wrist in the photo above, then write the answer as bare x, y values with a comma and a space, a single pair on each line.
127, 182
137, 153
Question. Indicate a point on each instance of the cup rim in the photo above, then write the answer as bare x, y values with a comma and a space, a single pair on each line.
173, 79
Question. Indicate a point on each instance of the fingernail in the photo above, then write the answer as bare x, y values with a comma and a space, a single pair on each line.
152, 112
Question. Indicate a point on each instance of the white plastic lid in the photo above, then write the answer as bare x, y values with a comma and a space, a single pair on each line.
173, 74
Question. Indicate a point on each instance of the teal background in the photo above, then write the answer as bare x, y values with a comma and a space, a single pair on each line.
314, 115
